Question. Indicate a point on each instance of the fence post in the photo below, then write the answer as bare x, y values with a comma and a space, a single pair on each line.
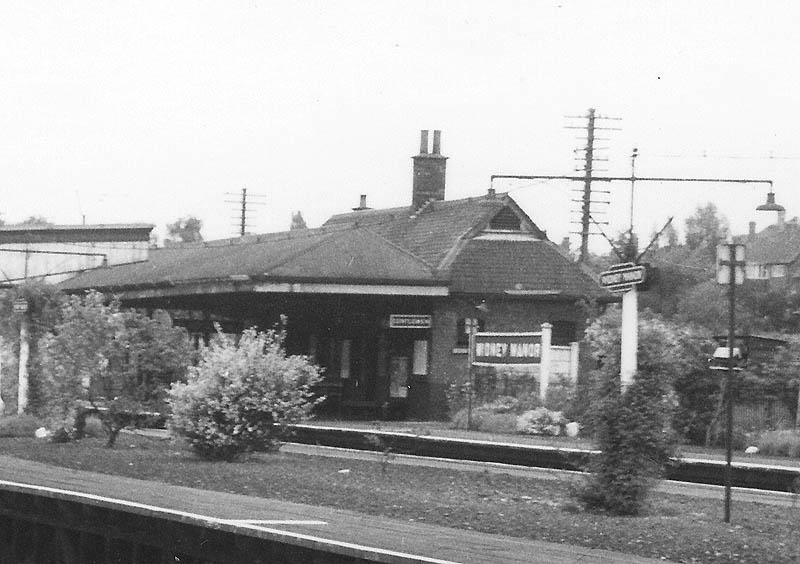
574, 359
544, 366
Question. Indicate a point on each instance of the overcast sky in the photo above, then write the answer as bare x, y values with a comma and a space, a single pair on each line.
148, 111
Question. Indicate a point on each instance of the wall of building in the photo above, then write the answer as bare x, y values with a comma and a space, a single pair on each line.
49, 259
449, 362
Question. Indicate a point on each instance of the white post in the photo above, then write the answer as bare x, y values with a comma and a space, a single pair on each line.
24, 353
629, 337
574, 359
544, 366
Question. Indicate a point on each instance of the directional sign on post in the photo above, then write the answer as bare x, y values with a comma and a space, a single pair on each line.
623, 277
725, 262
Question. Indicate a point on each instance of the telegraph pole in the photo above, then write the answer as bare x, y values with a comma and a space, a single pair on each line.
587, 186
588, 169
243, 202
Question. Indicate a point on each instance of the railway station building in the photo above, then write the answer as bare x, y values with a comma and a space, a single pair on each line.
383, 299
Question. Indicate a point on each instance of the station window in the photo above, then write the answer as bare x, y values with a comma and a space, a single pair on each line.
564, 332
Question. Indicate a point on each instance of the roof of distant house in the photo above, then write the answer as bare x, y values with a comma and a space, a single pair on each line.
777, 244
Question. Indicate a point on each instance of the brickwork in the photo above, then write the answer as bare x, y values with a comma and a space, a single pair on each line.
449, 362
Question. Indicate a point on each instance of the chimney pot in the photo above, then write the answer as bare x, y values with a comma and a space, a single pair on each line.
429, 173
423, 142
362, 204
437, 141
490, 193
752, 231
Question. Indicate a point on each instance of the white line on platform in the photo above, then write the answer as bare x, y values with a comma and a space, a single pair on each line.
275, 522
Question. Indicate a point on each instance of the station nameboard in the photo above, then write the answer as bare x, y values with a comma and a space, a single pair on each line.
409, 321
623, 277
507, 348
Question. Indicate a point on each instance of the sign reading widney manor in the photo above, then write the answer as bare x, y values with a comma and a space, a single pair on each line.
507, 348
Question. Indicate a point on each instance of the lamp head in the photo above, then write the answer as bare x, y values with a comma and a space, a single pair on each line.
771, 205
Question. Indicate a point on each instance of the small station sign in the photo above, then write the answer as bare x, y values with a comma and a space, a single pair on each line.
410, 321
20, 305
623, 277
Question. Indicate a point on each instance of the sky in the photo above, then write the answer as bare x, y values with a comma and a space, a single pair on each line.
148, 111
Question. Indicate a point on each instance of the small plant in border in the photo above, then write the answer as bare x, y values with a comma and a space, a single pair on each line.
242, 395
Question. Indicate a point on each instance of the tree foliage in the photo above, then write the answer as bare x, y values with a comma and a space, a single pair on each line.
705, 228
184, 230
116, 362
634, 428
44, 307
297, 221
241, 395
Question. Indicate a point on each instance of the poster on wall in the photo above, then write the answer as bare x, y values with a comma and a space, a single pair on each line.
398, 377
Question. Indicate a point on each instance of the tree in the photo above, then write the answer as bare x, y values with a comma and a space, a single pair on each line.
633, 427
37, 220
44, 304
705, 229
298, 222
117, 363
184, 230
241, 395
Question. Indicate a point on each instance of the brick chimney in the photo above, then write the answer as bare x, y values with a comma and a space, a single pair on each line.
751, 235
429, 172
362, 204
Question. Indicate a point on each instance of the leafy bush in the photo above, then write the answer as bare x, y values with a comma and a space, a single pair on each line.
541, 421
117, 363
780, 443
19, 425
636, 444
632, 428
241, 396
94, 428
503, 404
485, 420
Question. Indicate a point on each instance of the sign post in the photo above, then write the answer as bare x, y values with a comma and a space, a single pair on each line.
625, 278
20, 307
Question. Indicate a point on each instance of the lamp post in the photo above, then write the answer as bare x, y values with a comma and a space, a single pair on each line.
730, 271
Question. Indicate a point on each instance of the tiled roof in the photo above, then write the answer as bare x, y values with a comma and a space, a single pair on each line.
777, 244
432, 233
434, 246
518, 267
314, 254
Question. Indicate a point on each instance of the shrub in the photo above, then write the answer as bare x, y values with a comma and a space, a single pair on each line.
541, 421
19, 425
636, 442
485, 420
496, 416
101, 356
780, 443
241, 396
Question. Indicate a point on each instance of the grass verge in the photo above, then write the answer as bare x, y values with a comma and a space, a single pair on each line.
677, 528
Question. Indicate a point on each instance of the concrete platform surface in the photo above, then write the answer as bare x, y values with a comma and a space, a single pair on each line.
390, 540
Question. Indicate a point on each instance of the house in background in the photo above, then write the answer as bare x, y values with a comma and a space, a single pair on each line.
56, 252
384, 299
772, 255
